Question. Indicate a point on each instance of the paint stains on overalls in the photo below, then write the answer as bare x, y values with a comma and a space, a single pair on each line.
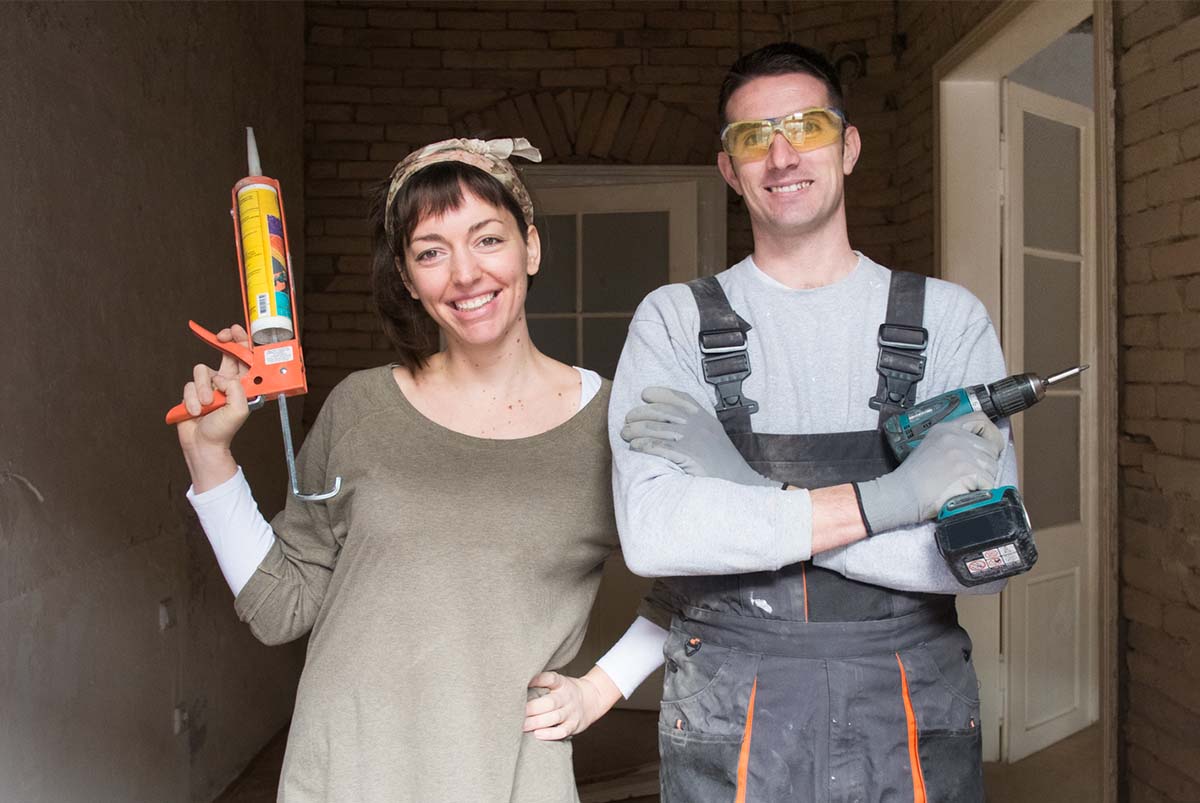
799, 684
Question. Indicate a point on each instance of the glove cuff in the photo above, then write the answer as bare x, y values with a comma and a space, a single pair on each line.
861, 511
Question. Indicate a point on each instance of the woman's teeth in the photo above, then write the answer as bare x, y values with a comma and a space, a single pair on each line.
799, 185
473, 303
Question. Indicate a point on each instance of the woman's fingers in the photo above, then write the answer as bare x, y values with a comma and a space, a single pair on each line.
202, 378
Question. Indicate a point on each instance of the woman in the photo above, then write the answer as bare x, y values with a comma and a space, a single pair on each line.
464, 550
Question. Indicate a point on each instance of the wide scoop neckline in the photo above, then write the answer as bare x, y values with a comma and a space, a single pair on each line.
551, 435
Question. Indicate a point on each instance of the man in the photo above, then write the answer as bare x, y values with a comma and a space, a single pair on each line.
814, 653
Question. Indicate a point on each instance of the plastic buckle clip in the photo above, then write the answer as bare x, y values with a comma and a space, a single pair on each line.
907, 338
722, 341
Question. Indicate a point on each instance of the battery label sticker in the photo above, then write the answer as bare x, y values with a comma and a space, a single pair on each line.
977, 566
992, 556
281, 354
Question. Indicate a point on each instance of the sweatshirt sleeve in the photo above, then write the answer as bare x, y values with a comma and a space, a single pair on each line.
282, 598
670, 523
907, 559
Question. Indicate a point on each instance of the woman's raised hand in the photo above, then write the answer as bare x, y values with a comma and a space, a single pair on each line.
206, 440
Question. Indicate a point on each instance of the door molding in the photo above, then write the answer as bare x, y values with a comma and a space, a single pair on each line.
966, 100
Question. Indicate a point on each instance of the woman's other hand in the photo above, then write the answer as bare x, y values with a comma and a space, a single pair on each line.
570, 705
206, 441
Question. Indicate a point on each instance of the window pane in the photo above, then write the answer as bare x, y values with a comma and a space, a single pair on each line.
1051, 487
1051, 184
625, 256
602, 342
554, 286
1051, 316
555, 337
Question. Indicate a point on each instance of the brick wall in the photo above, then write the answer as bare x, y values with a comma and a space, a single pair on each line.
616, 82
1158, 141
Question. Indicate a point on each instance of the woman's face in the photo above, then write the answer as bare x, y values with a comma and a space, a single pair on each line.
469, 269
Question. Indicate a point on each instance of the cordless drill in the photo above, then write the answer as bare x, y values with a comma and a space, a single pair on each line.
983, 535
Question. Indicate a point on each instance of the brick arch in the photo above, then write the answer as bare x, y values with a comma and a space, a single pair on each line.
596, 125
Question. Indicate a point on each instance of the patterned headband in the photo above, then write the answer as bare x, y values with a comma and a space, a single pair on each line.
491, 157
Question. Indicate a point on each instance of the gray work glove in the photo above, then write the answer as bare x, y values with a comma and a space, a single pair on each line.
674, 426
956, 457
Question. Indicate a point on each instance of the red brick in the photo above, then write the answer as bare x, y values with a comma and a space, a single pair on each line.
472, 20
644, 38
1180, 402
400, 18
1141, 607
333, 302
328, 112
1140, 330
540, 59
1176, 259
679, 20
339, 340
573, 77
1152, 225
448, 40
609, 58
381, 37
405, 96
582, 39
542, 20
336, 94
1149, 87
1153, 365
349, 131
400, 57
611, 20
514, 40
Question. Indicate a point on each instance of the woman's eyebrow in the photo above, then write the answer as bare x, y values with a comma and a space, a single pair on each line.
473, 228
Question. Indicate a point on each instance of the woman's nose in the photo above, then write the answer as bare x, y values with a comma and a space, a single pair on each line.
464, 268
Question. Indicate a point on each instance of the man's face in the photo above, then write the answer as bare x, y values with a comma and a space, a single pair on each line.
789, 193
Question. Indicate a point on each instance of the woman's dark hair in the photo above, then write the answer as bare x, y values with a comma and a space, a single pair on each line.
781, 58
433, 190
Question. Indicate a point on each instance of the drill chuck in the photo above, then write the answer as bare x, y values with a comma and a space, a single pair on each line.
1012, 395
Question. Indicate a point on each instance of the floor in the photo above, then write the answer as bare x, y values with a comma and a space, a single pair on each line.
1068, 772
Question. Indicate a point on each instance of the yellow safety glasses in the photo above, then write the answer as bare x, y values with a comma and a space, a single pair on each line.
806, 130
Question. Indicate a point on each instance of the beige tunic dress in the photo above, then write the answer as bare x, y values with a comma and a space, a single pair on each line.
446, 574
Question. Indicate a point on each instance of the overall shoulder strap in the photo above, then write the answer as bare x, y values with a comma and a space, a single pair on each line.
723, 353
902, 342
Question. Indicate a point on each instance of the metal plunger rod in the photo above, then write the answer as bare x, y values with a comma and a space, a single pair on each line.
291, 459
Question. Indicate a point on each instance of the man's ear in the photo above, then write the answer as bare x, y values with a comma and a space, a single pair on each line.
851, 148
404, 276
729, 172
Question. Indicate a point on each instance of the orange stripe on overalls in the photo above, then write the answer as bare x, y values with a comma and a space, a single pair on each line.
744, 756
914, 756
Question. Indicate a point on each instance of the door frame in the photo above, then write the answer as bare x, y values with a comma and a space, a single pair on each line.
966, 99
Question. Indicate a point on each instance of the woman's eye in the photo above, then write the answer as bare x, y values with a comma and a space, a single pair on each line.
490, 241
427, 256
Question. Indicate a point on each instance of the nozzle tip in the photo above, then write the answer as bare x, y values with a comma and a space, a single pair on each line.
254, 167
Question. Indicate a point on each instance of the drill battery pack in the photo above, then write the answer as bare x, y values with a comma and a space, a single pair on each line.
986, 535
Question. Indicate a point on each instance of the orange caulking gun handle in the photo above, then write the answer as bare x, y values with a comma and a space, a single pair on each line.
232, 349
178, 414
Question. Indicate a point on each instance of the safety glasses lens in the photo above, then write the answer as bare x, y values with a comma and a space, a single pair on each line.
805, 131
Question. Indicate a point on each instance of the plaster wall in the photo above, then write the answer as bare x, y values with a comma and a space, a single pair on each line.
121, 134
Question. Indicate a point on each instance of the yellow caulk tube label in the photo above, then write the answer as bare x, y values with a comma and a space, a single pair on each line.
266, 264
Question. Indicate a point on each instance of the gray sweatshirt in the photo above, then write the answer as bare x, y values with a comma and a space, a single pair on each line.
813, 354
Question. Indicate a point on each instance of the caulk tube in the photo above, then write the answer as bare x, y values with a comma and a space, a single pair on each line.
265, 259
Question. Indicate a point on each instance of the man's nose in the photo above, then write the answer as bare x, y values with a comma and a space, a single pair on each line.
781, 155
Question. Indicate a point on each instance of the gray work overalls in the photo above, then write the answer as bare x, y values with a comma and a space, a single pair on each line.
799, 684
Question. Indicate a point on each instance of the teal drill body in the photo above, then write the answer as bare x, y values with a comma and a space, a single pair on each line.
983, 535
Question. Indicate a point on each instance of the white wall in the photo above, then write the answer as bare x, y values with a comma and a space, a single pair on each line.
121, 134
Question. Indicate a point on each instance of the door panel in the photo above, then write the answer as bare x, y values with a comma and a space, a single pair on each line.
1048, 285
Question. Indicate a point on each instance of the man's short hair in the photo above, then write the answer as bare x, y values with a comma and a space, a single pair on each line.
780, 58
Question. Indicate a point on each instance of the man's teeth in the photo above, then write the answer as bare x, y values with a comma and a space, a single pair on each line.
799, 185
473, 303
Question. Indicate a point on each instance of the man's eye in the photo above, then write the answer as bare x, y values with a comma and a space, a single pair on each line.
755, 136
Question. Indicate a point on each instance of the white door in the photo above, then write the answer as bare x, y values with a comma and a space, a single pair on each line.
604, 248
1048, 289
